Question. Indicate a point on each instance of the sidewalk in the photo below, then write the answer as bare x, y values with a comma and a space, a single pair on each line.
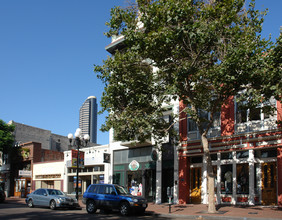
199, 211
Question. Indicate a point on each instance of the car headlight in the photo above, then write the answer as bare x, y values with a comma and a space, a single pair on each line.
134, 200
62, 199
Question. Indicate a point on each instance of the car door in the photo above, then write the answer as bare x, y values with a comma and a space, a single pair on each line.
34, 197
100, 196
42, 197
110, 200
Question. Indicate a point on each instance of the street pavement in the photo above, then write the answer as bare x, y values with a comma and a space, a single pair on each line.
198, 211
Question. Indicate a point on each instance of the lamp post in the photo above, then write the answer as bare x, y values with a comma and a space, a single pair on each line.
79, 141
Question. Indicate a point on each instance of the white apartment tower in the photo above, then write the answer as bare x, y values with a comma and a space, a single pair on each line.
88, 118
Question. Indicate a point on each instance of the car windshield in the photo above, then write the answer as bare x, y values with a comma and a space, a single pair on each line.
55, 192
121, 190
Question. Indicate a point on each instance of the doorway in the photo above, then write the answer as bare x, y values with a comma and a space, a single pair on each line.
268, 185
196, 182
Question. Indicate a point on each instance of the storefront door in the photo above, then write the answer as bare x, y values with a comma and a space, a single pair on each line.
268, 188
196, 182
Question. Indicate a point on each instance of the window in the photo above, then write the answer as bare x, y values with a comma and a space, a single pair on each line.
198, 159
242, 154
93, 189
109, 190
192, 126
266, 153
242, 178
213, 156
226, 179
226, 156
101, 189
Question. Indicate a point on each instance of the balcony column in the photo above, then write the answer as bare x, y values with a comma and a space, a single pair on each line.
159, 178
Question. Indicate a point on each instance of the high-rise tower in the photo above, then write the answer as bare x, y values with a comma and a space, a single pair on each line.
88, 118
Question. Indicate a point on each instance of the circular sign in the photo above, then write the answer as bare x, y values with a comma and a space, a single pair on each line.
134, 165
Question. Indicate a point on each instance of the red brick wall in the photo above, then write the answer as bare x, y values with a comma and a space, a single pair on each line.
184, 180
279, 113
279, 176
182, 122
227, 117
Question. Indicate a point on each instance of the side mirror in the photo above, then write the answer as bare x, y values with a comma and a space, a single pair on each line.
45, 194
113, 193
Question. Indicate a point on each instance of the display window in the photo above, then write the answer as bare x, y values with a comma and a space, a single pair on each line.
242, 178
226, 179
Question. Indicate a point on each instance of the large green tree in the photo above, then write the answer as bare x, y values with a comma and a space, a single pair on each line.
6, 136
201, 52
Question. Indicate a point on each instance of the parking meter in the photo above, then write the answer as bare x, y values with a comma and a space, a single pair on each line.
169, 192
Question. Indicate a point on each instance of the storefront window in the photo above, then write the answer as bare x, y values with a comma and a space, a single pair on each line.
226, 179
243, 178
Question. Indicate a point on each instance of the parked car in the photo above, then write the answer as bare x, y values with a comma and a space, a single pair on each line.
52, 198
110, 197
2, 194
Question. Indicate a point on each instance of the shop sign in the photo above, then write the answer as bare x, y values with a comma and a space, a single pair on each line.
25, 173
107, 158
48, 176
134, 165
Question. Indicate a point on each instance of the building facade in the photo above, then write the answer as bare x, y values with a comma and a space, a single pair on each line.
17, 174
95, 166
49, 141
246, 157
88, 118
48, 175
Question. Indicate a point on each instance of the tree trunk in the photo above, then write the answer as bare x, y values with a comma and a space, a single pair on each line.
210, 175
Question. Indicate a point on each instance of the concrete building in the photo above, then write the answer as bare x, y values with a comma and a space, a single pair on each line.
142, 164
95, 168
26, 133
88, 118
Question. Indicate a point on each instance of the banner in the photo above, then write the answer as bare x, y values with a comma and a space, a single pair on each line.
74, 159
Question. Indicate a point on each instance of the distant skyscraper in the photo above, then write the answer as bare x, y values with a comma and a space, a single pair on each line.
88, 118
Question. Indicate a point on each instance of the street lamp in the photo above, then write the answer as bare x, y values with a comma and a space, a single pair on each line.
79, 141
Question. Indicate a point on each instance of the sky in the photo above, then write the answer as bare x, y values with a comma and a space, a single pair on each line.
48, 49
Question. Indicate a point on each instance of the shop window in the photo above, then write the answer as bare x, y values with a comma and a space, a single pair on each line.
198, 159
242, 178
226, 156
226, 179
242, 154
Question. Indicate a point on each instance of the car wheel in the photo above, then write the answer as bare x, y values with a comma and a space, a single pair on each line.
124, 209
52, 204
30, 203
91, 207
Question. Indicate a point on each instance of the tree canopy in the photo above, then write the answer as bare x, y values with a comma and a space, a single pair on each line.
6, 136
199, 51
202, 52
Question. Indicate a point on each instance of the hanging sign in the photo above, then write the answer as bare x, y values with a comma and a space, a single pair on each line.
134, 165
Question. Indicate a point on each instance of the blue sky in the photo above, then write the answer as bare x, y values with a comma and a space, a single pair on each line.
47, 52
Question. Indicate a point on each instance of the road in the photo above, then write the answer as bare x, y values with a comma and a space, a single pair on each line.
22, 212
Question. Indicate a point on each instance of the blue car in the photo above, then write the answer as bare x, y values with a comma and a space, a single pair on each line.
52, 198
110, 197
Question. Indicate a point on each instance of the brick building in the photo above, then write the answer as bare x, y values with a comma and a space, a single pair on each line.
19, 178
246, 153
